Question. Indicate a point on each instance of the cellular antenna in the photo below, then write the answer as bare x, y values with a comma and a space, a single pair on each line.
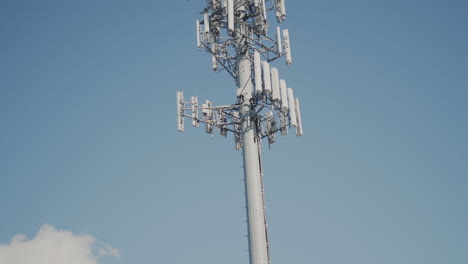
235, 33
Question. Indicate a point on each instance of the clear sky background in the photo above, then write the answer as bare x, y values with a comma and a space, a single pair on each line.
88, 139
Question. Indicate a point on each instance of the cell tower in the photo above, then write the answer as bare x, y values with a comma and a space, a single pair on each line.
235, 33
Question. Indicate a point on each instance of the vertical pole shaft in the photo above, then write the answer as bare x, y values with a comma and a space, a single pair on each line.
252, 176
252, 167
258, 248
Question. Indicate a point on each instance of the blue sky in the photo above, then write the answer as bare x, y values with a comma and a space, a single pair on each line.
88, 139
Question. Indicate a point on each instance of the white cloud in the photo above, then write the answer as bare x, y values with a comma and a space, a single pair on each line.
52, 246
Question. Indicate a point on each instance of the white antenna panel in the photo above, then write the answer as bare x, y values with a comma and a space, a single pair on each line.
299, 119
198, 34
258, 72
207, 22
195, 122
292, 107
275, 84
208, 115
230, 10
284, 95
180, 111
287, 47
280, 10
278, 39
266, 76
205, 109
283, 8
264, 10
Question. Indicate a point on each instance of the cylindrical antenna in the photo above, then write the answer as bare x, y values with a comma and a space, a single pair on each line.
287, 47
198, 35
258, 72
264, 10
207, 22
278, 39
230, 11
180, 111
266, 77
292, 107
283, 8
299, 119
284, 95
275, 84
280, 10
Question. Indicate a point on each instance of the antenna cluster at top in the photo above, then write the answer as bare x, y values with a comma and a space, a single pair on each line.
232, 31
230, 28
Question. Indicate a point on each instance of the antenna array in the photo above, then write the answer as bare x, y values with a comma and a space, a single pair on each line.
230, 28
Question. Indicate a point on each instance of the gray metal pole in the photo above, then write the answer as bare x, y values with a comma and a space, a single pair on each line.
258, 248
252, 176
